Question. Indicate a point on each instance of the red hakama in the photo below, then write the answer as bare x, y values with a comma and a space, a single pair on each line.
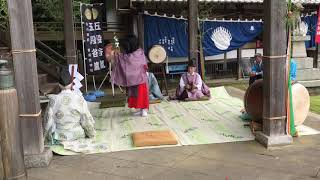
142, 99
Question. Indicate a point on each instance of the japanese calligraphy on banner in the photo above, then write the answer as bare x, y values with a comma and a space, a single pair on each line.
318, 28
93, 37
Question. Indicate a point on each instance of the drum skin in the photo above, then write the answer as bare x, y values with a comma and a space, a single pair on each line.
301, 103
157, 54
253, 102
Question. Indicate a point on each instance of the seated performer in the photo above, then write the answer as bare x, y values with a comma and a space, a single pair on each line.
130, 67
257, 69
67, 117
191, 86
154, 90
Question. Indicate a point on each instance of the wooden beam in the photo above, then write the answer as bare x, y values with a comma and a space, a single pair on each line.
26, 75
59, 35
69, 34
193, 30
274, 75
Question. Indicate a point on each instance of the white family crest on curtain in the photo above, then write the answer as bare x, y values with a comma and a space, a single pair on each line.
217, 36
224, 36
221, 38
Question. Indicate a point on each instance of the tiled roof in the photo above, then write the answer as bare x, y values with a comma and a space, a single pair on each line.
231, 1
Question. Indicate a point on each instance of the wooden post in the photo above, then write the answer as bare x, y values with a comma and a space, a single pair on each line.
239, 73
193, 30
1, 165
10, 130
274, 75
141, 29
26, 76
138, 28
69, 38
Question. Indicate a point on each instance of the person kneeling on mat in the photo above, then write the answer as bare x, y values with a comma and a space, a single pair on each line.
191, 86
67, 117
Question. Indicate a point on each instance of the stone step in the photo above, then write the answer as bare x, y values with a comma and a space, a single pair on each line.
308, 74
49, 88
42, 78
309, 84
304, 63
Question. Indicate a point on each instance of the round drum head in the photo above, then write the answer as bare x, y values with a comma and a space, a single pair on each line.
157, 54
301, 103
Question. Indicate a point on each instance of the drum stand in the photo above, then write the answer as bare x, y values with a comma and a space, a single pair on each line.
112, 85
164, 77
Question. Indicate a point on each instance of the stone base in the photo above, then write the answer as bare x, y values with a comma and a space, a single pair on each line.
272, 141
299, 46
308, 74
304, 63
310, 84
38, 160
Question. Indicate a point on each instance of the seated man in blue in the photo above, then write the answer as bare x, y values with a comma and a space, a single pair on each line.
257, 69
154, 90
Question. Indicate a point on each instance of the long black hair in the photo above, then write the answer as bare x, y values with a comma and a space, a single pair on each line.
129, 44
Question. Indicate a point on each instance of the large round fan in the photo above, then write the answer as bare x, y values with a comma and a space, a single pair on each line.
157, 54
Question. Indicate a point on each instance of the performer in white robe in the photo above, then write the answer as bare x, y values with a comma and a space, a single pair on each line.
67, 117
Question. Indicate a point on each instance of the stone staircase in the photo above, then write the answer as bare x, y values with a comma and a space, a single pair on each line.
47, 84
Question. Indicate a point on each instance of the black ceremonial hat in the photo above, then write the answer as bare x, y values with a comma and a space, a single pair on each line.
64, 77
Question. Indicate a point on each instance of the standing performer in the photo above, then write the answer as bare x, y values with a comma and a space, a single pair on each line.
130, 67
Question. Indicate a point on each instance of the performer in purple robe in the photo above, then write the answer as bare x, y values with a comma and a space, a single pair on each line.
129, 70
191, 86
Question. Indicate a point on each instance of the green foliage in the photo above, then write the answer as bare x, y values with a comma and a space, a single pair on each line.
293, 16
206, 10
47, 10
315, 104
4, 18
52, 10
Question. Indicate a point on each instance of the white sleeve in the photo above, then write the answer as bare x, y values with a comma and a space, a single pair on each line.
199, 82
87, 121
49, 123
182, 84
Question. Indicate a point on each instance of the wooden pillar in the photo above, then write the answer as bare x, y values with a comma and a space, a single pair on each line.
274, 75
1, 165
69, 38
193, 30
239, 73
141, 29
138, 28
26, 76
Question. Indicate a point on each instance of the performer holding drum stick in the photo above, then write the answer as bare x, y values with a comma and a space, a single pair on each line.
130, 67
